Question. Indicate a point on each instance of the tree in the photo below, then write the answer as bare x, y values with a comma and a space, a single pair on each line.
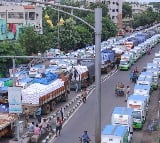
9, 48
126, 10
147, 17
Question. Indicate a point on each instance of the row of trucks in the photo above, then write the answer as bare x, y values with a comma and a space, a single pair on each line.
125, 119
39, 89
129, 57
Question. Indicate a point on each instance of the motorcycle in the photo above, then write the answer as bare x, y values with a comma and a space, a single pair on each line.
83, 141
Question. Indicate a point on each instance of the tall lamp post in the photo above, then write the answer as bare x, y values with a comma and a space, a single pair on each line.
97, 29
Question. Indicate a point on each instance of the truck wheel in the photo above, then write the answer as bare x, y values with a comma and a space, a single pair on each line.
46, 109
52, 105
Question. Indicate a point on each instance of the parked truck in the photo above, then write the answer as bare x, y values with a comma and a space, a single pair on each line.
123, 116
108, 59
139, 105
46, 95
7, 123
143, 90
115, 134
126, 61
7, 119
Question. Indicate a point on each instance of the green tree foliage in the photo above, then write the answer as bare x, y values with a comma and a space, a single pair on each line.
126, 10
147, 17
73, 34
155, 4
9, 48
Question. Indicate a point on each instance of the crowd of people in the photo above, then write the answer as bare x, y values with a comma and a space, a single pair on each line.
45, 125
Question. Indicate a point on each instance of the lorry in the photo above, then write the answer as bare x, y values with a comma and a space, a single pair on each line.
7, 120
115, 134
46, 92
79, 77
126, 61
150, 77
108, 59
123, 116
155, 77
144, 90
139, 105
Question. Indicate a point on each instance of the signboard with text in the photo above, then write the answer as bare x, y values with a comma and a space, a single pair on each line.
14, 99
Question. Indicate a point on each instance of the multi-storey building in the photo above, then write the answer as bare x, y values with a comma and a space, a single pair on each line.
115, 10
15, 17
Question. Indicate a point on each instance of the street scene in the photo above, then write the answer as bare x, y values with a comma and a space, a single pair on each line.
79, 71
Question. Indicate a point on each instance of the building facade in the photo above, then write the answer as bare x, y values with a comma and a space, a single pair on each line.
15, 17
115, 10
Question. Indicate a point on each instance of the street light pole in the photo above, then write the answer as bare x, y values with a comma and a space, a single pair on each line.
98, 30
14, 84
58, 24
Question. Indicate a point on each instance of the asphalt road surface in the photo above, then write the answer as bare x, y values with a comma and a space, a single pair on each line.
84, 118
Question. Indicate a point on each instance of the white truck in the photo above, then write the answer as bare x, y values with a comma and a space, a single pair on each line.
143, 90
115, 134
139, 105
123, 116
126, 61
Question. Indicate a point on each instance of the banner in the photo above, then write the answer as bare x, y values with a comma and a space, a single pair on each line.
14, 99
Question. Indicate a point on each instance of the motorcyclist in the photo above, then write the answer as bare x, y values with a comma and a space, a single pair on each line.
85, 137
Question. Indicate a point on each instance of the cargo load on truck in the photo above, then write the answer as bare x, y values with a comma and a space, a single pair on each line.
78, 77
46, 92
123, 116
7, 119
143, 90
115, 134
108, 59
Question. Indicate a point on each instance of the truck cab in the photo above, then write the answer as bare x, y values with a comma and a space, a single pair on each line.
125, 62
139, 104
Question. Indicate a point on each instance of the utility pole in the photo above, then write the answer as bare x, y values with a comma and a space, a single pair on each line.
98, 30
14, 84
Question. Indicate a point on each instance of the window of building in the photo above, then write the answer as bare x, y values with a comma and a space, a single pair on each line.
16, 15
113, 2
31, 15
113, 17
117, 10
113, 10
117, 3
2, 15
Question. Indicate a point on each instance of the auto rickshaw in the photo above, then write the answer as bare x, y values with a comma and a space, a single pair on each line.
120, 90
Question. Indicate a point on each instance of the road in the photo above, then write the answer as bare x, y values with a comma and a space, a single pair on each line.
84, 119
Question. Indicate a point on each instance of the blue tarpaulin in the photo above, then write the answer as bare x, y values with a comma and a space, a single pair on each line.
47, 79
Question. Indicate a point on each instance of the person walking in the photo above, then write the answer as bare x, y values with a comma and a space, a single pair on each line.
26, 117
127, 93
38, 114
58, 126
62, 113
